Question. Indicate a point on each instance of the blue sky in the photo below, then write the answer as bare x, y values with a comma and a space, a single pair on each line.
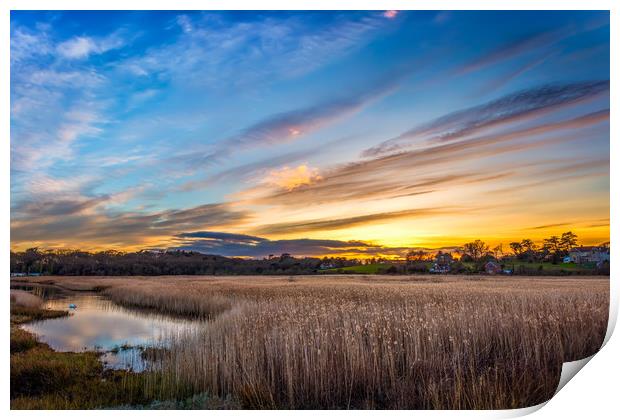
309, 132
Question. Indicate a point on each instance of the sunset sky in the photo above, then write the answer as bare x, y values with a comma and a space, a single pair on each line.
313, 133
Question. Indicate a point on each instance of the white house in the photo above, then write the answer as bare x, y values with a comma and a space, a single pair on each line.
586, 254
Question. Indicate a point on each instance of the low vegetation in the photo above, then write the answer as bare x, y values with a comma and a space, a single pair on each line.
42, 378
412, 342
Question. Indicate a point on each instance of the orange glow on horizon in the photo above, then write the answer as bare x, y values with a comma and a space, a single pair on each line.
587, 236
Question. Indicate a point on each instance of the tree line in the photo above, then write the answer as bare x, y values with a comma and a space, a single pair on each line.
552, 249
472, 258
148, 263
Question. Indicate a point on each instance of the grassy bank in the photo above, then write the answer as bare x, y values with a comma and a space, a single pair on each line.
42, 378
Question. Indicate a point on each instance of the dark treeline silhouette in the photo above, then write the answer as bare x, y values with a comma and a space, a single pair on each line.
149, 263
525, 258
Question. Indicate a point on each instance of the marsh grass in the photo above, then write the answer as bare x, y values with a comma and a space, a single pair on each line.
25, 299
21, 340
380, 342
190, 303
26, 307
427, 343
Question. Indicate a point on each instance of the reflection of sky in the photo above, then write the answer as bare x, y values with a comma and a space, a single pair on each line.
123, 359
100, 324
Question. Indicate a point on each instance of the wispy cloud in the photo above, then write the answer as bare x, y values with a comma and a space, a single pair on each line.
81, 47
504, 79
510, 108
26, 44
407, 173
335, 224
38, 148
255, 169
287, 126
550, 226
211, 45
541, 42
56, 103
527, 43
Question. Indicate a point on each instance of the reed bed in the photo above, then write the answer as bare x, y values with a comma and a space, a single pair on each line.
372, 342
25, 299
196, 303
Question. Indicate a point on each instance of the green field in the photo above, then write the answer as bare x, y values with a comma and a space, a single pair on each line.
360, 269
546, 266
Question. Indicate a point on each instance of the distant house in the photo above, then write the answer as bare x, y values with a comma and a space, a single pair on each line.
492, 268
589, 254
326, 266
442, 263
25, 274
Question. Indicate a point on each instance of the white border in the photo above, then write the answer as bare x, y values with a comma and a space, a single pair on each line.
593, 394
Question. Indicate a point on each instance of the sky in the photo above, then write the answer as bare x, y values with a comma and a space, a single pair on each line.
313, 133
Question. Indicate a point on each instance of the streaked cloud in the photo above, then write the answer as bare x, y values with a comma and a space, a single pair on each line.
221, 243
114, 229
538, 42
63, 207
528, 43
290, 125
221, 236
554, 225
512, 74
333, 224
405, 173
510, 108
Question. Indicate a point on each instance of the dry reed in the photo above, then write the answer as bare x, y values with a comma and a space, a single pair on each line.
373, 342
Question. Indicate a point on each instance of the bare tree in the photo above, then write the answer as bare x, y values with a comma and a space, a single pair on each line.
516, 247
476, 249
498, 251
568, 240
552, 244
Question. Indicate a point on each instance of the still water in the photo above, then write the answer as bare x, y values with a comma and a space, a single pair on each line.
98, 324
